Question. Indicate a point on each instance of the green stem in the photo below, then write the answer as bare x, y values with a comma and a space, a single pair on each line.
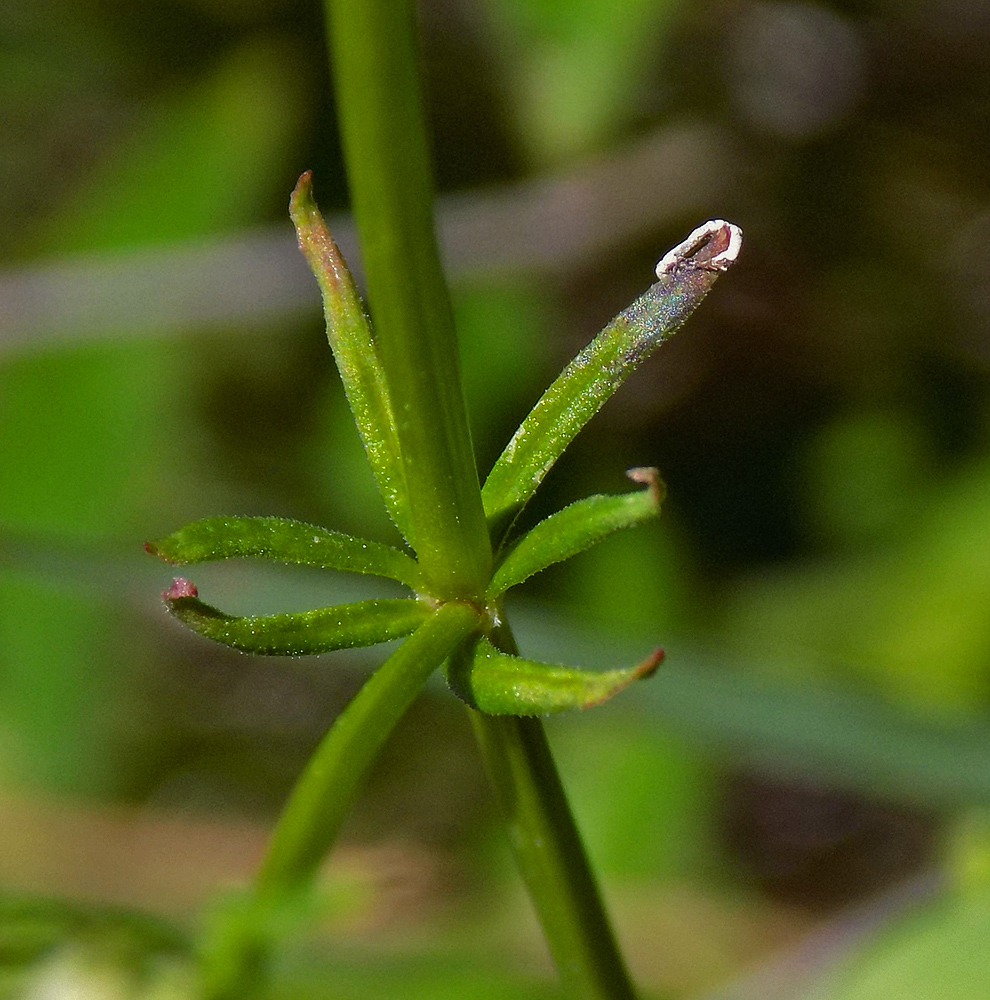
549, 853
324, 794
234, 954
376, 72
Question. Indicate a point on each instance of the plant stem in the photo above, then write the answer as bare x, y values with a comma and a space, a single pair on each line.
549, 852
234, 954
376, 72
324, 794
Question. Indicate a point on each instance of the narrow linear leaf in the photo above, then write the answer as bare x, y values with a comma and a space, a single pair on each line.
284, 541
576, 528
499, 684
344, 626
686, 275
376, 72
354, 350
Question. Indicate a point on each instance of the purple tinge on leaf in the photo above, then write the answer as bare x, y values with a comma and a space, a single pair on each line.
181, 587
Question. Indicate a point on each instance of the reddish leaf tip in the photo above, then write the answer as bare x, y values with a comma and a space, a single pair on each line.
301, 205
303, 185
180, 588
649, 477
650, 665
154, 549
645, 669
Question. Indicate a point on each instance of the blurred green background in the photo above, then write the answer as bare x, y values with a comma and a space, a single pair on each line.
796, 805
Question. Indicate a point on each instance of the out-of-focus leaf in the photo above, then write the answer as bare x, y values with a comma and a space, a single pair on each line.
355, 351
364, 623
197, 162
645, 806
499, 684
89, 437
31, 929
447, 975
589, 380
547, 47
908, 619
502, 325
576, 528
284, 541
941, 953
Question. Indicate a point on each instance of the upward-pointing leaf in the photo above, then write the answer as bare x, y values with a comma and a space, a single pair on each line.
576, 528
355, 352
284, 541
599, 369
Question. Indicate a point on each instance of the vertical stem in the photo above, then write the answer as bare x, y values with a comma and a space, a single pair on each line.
549, 852
326, 790
373, 52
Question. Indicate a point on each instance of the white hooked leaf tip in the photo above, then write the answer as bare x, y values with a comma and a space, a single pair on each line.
684, 254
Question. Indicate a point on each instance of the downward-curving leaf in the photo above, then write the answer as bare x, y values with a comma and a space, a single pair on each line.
345, 626
576, 528
355, 352
499, 684
591, 378
284, 541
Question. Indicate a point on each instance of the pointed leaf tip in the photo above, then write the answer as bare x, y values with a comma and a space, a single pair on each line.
576, 528
180, 588
641, 672
649, 477
685, 275
301, 193
356, 353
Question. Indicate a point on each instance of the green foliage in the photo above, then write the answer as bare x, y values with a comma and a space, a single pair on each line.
282, 540
107, 951
356, 354
495, 682
940, 953
203, 158
87, 433
417, 459
364, 623
857, 586
546, 49
574, 529
498, 683
584, 386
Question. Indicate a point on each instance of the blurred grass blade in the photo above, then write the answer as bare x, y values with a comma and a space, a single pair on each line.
364, 623
285, 541
576, 528
593, 376
354, 349
31, 928
499, 684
